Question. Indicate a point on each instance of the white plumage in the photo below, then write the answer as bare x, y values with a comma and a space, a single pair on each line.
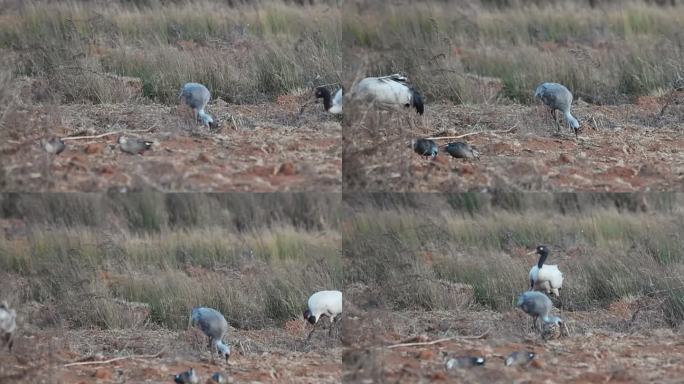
557, 97
212, 323
323, 303
8, 323
388, 92
197, 96
545, 277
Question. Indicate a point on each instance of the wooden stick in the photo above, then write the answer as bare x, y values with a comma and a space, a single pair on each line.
101, 135
468, 134
115, 359
482, 336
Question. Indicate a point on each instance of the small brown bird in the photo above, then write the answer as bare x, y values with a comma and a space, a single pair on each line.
464, 362
134, 145
54, 145
519, 358
461, 150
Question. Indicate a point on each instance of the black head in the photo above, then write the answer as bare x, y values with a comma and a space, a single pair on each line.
322, 92
477, 361
542, 250
308, 316
530, 355
214, 125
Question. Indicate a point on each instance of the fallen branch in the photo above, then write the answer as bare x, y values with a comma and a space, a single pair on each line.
101, 135
116, 359
482, 336
468, 134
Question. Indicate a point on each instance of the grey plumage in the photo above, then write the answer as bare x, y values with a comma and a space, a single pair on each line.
464, 362
54, 145
425, 147
212, 323
134, 145
8, 324
519, 358
461, 150
187, 377
197, 96
538, 305
558, 98
218, 378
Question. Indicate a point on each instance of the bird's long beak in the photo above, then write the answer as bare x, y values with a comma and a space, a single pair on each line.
532, 252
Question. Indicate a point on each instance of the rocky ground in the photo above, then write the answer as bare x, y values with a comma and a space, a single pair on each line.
602, 346
265, 147
156, 355
631, 147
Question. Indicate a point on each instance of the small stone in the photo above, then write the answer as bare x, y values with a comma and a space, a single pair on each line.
94, 148
287, 169
204, 158
566, 158
103, 374
426, 354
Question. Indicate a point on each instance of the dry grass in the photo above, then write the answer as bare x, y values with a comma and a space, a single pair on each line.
605, 254
168, 253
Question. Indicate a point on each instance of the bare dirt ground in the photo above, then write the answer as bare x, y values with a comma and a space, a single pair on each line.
259, 356
266, 147
603, 346
631, 147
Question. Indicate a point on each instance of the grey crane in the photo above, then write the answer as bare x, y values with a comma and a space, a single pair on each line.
461, 150
538, 305
558, 98
8, 324
212, 323
197, 96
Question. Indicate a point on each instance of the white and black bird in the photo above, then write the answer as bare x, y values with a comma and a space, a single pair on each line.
538, 305
8, 324
388, 92
323, 303
187, 377
558, 98
212, 323
197, 96
331, 103
425, 147
54, 145
134, 145
545, 277
464, 362
461, 150
519, 358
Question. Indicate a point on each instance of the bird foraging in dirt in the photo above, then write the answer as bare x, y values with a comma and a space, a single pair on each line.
212, 323
323, 303
538, 305
187, 377
8, 324
425, 147
558, 98
464, 362
217, 378
54, 145
519, 358
197, 96
134, 145
388, 92
545, 277
332, 104
461, 150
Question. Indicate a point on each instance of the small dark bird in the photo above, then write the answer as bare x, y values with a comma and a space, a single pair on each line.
519, 358
187, 377
464, 362
461, 150
134, 145
54, 146
425, 147
217, 378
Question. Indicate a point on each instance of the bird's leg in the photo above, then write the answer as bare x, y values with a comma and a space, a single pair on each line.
312, 331
555, 119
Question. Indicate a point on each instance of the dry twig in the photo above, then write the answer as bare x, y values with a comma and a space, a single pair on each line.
469, 134
116, 359
482, 336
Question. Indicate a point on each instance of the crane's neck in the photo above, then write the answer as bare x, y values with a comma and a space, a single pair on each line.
571, 120
222, 347
542, 258
327, 99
